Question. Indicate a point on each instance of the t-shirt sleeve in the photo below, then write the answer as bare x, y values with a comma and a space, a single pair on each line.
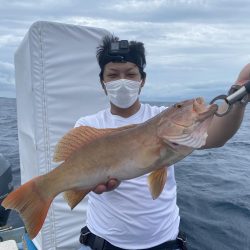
94, 120
159, 109
162, 108
81, 122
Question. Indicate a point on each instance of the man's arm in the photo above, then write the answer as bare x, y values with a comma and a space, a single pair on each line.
223, 128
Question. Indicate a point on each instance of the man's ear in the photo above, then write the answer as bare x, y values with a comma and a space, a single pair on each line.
103, 86
142, 83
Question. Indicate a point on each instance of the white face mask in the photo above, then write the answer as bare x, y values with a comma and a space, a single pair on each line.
123, 93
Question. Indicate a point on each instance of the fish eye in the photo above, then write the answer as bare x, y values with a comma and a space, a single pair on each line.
178, 105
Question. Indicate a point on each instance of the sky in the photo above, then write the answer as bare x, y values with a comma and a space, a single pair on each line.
193, 47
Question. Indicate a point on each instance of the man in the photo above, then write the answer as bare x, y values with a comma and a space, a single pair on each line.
127, 217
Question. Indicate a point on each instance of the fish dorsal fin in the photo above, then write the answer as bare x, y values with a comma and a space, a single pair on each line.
80, 136
156, 181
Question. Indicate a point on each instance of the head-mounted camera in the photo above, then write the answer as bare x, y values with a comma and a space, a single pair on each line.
120, 52
119, 47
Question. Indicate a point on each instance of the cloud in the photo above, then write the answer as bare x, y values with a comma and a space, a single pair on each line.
7, 90
173, 91
6, 66
178, 43
150, 6
9, 40
7, 81
6, 73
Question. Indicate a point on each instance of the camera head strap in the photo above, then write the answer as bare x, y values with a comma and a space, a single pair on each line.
120, 52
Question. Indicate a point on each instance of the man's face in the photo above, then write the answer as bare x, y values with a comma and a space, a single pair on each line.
116, 71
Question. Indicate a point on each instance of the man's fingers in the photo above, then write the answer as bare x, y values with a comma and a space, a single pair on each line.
112, 184
109, 186
100, 189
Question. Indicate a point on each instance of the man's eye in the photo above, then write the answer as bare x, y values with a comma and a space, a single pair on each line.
131, 74
112, 75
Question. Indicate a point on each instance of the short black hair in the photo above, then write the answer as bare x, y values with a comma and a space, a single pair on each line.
136, 54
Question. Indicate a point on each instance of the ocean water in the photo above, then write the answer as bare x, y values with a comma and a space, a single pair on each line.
213, 186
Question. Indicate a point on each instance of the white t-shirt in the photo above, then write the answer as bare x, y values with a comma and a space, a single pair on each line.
128, 217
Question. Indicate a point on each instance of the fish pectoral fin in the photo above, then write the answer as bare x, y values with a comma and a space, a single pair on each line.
73, 197
79, 137
157, 180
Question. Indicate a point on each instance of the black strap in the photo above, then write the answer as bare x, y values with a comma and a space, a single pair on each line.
97, 243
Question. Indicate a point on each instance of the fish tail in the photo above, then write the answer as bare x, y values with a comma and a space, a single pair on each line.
31, 203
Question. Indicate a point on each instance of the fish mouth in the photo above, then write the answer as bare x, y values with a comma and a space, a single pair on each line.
204, 112
210, 111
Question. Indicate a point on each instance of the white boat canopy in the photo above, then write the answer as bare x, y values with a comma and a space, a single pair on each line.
56, 83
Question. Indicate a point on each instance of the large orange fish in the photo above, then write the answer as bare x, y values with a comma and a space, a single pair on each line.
92, 156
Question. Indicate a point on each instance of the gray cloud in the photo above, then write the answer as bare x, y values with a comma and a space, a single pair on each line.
137, 10
7, 90
6, 73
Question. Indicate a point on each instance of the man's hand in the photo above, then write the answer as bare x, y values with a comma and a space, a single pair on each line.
244, 76
223, 128
105, 187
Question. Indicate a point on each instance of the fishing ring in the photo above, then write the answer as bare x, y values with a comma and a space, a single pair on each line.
221, 97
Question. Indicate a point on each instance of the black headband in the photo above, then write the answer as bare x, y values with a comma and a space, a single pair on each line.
129, 57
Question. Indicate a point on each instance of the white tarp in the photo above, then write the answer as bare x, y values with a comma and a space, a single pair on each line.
56, 83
